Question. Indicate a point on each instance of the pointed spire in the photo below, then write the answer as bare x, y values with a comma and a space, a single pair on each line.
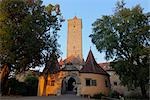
75, 17
90, 56
92, 66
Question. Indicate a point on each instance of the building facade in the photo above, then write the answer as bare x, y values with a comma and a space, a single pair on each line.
73, 74
116, 83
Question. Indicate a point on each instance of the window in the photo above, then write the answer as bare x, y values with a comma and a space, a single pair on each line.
88, 82
52, 83
106, 83
93, 82
115, 83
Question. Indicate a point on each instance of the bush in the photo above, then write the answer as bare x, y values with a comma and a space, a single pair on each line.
114, 94
27, 88
16, 88
98, 96
136, 97
32, 85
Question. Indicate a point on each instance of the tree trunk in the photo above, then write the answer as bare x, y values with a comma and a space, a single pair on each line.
5, 71
143, 90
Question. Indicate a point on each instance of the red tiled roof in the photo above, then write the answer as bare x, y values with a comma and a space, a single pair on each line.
91, 66
73, 60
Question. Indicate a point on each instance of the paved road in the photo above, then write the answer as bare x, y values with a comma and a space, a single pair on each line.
62, 97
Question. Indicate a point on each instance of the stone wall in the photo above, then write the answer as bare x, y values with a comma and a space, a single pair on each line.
74, 38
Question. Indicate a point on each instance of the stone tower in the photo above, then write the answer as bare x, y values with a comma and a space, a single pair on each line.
74, 38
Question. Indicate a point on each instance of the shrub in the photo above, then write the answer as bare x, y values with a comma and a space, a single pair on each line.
114, 94
32, 85
27, 88
16, 88
98, 96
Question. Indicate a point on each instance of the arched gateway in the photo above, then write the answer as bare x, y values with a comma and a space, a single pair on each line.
70, 85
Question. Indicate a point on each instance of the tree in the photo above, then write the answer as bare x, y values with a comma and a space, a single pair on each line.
125, 38
14, 87
28, 33
32, 85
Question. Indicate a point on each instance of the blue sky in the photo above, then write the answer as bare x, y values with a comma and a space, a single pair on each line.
88, 11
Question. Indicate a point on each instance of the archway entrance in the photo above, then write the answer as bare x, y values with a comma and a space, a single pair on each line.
71, 84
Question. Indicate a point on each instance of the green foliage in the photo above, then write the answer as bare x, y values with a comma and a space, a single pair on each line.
114, 94
27, 88
32, 85
98, 96
15, 87
125, 38
136, 97
28, 33
32, 80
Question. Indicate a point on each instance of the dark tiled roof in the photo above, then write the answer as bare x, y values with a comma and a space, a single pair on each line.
52, 66
91, 66
70, 68
73, 60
